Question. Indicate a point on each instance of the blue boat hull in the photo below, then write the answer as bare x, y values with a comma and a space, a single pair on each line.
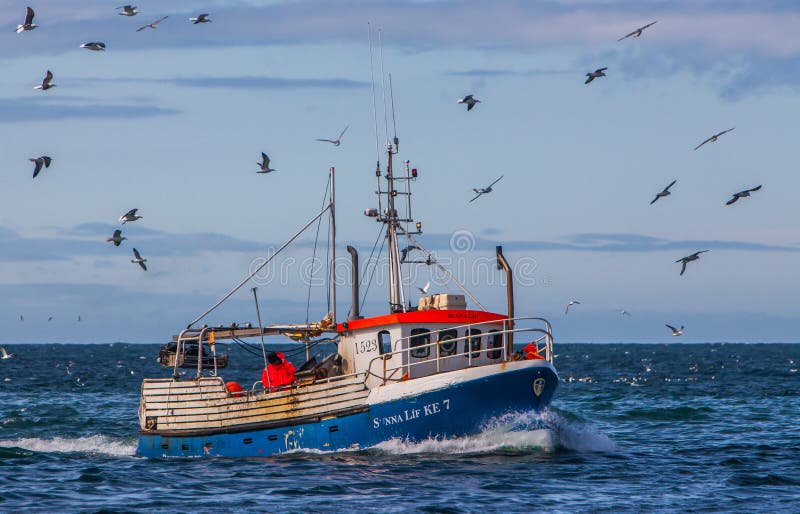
456, 410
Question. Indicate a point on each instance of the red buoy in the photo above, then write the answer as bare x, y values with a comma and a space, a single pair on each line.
235, 388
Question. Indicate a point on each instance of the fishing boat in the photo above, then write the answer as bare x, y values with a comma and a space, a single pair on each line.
438, 369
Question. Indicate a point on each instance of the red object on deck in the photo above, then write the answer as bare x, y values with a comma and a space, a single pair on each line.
235, 389
531, 353
278, 375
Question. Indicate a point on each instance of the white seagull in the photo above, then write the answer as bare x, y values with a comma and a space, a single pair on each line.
5, 355
484, 190
469, 100
129, 216
623, 312
424, 290
675, 331
202, 18
128, 10
338, 140
28, 24
94, 45
637, 32
46, 83
570, 304
137, 259
117, 238
39, 162
264, 164
153, 25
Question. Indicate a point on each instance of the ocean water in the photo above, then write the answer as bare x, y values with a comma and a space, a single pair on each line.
639, 428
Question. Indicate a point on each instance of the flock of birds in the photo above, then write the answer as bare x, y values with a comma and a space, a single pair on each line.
44, 161
470, 101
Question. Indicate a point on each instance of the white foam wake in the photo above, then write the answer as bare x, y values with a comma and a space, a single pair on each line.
95, 444
525, 431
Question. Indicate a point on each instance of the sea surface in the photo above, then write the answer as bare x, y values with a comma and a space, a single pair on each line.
638, 428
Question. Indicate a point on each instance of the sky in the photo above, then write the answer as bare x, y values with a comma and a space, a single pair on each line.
173, 120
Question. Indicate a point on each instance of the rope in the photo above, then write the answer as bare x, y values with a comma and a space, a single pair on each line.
442, 268
259, 268
314, 255
369, 283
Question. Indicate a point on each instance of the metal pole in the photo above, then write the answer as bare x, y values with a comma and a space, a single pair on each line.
332, 209
260, 326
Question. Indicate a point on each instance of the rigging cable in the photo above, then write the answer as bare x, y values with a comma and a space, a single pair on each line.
374, 104
369, 282
314, 255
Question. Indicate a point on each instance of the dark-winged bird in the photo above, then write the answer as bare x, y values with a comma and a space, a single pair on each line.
675, 331
128, 10
202, 18
663, 193
689, 258
153, 25
637, 32
39, 162
742, 194
94, 45
338, 140
599, 72
713, 138
137, 259
117, 238
484, 190
264, 164
28, 23
469, 100
47, 82
129, 216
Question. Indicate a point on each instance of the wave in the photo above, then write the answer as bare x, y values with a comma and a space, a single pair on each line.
93, 444
515, 432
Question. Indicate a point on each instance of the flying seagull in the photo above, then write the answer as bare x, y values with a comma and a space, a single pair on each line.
21, 317
623, 312
28, 24
129, 216
202, 18
5, 355
117, 238
264, 164
137, 259
637, 32
338, 140
94, 45
153, 25
483, 191
79, 318
46, 82
50, 318
676, 331
128, 10
570, 304
404, 251
599, 72
424, 290
469, 100
39, 162
713, 138
742, 194
689, 258
663, 193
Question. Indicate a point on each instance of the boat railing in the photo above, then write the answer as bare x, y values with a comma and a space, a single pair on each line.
402, 347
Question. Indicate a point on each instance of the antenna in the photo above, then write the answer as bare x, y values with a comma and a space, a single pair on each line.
383, 87
374, 105
394, 120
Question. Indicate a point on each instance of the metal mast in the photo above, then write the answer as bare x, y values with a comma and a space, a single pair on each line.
396, 296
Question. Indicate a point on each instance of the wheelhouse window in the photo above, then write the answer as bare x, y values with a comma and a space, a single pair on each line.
495, 342
447, 343
473, 343
384, 342
420, 337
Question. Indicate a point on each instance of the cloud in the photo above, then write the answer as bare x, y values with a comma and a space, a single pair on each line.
603, 243
13, 110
